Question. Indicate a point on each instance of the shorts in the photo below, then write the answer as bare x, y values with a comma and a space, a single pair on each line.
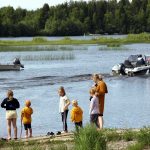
101, 115
11, 114
94, 119
27, 126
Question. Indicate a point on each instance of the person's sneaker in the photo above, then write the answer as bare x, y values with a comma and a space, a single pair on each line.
58, 133
48, 133
52, 133
64, 132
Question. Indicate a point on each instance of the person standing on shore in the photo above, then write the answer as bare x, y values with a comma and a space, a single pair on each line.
11, 104
26, 113
94, 108
63, 107
101, 89
76, 115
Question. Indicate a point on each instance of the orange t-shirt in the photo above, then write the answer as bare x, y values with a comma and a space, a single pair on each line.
26, 115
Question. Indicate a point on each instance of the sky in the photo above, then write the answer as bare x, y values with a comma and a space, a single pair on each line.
30, 4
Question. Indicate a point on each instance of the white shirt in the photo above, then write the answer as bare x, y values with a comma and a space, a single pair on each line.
94, 105
62, 103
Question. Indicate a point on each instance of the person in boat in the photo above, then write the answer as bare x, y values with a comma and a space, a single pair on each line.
11, 104
94, 108
101, 90
76, 115
16, 61
63, 107
26, 113
140, 61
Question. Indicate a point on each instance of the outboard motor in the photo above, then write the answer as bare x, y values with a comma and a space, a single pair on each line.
17, 62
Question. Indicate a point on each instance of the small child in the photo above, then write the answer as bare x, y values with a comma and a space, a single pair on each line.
94, 108
26, 113
76, 115
63, 107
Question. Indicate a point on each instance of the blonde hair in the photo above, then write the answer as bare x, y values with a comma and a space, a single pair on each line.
10, 94
75, 102
92, 91
28, 103
97, 76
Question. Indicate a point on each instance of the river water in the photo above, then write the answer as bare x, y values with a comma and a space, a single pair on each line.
127, 104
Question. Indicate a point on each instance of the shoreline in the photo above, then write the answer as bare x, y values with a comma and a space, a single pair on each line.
116, 139
110, 42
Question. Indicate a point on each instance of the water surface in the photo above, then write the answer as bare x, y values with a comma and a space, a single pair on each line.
127, 104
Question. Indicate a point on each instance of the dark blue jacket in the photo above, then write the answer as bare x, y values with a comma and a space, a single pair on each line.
10, 104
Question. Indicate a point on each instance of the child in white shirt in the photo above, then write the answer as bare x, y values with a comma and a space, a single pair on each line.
63, 107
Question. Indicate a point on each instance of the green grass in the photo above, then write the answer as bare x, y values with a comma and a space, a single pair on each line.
110, 42
137, 146
144, 136
89, 138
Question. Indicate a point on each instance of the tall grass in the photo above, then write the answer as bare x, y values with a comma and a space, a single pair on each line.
105, 48
89, 138
137, 146
42, 48
144, 136
39, 39
47, 57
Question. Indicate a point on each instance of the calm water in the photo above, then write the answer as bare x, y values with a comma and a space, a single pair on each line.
127, 103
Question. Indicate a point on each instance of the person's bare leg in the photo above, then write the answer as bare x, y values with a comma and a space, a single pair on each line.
15, 127
9, 128
26, 134
30, 132
101, 122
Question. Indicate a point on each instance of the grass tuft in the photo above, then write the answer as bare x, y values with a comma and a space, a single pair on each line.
89, 138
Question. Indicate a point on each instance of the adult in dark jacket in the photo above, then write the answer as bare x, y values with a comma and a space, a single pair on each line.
11, 104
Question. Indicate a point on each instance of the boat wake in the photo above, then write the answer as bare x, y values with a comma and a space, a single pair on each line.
52, 80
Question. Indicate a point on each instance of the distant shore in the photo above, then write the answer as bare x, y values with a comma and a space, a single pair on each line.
130, 39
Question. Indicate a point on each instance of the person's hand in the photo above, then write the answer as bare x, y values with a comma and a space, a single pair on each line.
65, 108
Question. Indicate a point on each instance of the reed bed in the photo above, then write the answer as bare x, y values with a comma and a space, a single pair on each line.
42, 48
47, 57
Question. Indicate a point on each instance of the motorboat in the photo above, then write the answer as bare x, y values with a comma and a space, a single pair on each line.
134, 65
15, 66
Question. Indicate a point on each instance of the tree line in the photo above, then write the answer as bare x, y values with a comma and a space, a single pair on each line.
77, 18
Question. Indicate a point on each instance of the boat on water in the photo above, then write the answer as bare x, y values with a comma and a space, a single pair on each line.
15, 66
134, 65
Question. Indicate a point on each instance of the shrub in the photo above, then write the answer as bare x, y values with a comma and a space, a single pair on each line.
89, 138
39, 39
144, 136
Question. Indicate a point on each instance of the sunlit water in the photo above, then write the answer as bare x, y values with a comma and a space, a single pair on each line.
127, 104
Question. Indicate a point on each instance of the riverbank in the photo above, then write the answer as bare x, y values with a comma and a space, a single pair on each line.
110, 42
110, 139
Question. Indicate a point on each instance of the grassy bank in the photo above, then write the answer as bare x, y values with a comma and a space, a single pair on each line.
131, 38
88, 139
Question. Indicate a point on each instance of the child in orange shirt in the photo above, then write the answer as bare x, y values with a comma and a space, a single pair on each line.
76, 115
26, 113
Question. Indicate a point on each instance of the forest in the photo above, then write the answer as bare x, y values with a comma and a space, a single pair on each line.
77, 18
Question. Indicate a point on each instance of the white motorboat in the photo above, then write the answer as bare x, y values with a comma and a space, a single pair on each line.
134, 65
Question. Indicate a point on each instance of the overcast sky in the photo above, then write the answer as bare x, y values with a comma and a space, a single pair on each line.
30, 4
